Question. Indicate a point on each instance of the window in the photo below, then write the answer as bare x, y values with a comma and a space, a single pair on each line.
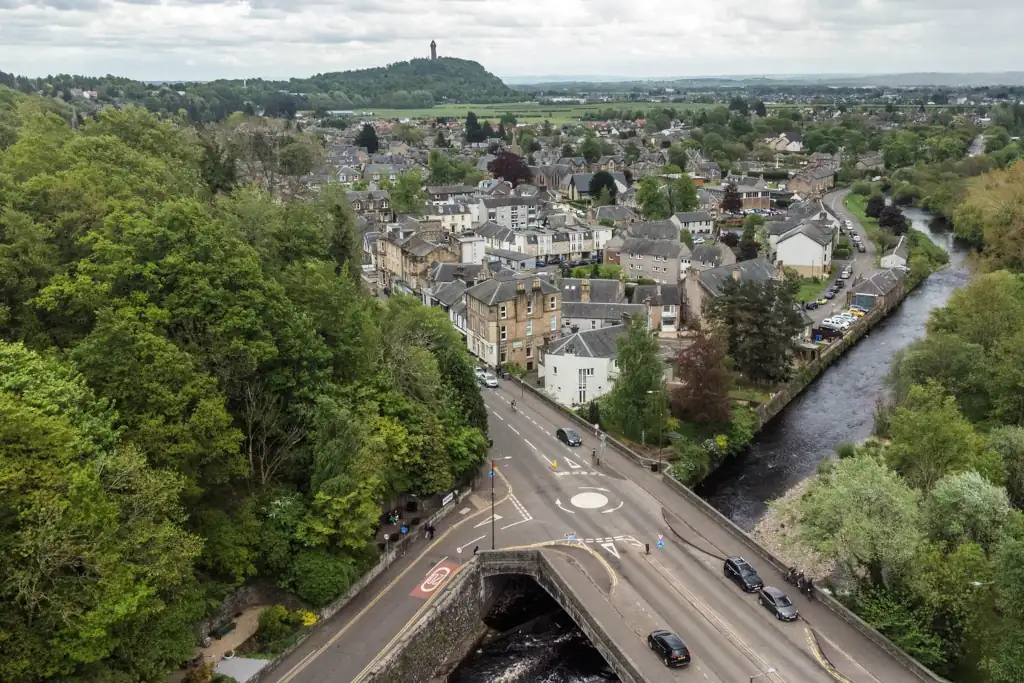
529, 328
529, 306
593, 324
552, 304
502, 312
503, 333
529, 352
554, 369
502, 356
554, 323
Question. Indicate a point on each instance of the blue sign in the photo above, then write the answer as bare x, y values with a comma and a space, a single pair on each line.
661, 544
492, 474
572, 537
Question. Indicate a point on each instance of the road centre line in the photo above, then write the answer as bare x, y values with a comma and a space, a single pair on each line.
514, 430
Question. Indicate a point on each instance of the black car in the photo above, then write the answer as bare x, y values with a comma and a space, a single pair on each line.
811, 305
570, 437
670, 648
861, 248
743, 575
778, 603
839, 284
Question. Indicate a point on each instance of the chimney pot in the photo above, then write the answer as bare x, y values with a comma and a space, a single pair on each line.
536, 284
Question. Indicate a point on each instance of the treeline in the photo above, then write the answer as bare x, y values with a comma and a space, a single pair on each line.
195, 392
418, 83
926, 522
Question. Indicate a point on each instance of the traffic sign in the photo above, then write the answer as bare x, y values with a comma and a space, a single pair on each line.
459, 550
661, 543
386, 537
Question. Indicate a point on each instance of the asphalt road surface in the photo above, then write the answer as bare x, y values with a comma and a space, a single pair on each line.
614, 509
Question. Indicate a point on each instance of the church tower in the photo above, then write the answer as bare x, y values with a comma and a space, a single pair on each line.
433, 50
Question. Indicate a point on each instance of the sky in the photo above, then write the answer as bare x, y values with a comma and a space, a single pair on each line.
208, 39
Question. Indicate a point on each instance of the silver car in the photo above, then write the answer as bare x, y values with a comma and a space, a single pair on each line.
490, 381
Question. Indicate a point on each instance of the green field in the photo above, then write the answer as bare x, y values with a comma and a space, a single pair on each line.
525, 112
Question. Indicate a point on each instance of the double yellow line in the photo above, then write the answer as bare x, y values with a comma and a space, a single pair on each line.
308, 659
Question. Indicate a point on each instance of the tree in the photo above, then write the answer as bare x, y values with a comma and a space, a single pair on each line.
760, 322
731, 200
408, 196
930, 438
860, 513
440, 140
652, 200
633, 403
965, 508
703, 393
892, 219
760, 109
602, 181
591, 150
875, 206
510, 167
367, 138
681, 194
739, 105
1008, 442
567, 151
474, 131
982, 217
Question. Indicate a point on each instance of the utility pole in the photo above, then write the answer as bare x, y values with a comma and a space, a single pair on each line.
492, 505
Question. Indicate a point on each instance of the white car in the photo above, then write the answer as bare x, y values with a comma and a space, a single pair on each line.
849, 224
490, 381
846, 274
856, 239
480, 373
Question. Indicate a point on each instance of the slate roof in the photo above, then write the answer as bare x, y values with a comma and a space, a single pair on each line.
449, 293
655, 230
705, 253
451, 189
809, 230
363, 195
601, 290
660, 295
448, 272
495, 202
900, 249
685, 217
419, 246
600, 343
755, 270
509, 255
880, 283
492, 291
582, 180
601, 311
647, 247
615, 212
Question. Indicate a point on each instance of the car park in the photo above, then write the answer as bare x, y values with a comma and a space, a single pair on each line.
778, 603
739, 571
669, 647
570, 437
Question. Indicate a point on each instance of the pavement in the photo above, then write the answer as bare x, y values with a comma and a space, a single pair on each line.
547, 492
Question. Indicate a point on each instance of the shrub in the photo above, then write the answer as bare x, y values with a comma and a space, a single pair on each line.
319, 577
279, 628
199, 674
862, 187
846, 449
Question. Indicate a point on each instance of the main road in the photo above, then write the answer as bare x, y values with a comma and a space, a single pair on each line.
547, 491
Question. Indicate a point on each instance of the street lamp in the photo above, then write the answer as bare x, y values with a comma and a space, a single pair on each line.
766, 672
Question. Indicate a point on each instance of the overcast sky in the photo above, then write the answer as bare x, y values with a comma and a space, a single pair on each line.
207, 39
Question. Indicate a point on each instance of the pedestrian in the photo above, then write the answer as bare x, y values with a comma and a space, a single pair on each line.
431, 530
475, 548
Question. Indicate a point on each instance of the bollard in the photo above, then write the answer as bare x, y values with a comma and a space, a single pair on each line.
647, 548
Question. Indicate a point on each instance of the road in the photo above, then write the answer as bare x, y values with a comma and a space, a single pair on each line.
613, 509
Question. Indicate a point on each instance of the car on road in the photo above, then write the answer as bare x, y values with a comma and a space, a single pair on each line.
849, 224
846, 274
739, 571
861, 248
670, 648
778, 603
811, 305
490, 381
839, 283
829, 294
481, 373
570, 437
822, 301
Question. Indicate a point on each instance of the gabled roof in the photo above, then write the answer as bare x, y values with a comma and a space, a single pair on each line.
448, 272
880, 283
642, 245
600, 343
450, 189
600, 311
615, 213
900, 249
660, 295
655, 230
509, 255
685, 217
809, 230
449, 293
582, 180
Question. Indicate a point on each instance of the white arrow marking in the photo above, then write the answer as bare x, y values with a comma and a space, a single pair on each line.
486, 521
610, 547
613, 509
559, 504
572, 464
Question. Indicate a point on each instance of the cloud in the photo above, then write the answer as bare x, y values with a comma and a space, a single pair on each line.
206, 39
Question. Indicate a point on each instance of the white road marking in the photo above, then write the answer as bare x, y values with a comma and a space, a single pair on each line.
573, 464
498, 416
514, 430
610, 547
522, 521
469, 543
594, 488
487, 521
530, 444
464, 511
559, 504
605, 512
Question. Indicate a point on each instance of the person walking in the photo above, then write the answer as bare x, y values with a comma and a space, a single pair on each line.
430, 532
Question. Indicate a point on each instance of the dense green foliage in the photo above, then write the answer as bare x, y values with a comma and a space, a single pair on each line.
636, 406
196, 391
992, 217
401, 85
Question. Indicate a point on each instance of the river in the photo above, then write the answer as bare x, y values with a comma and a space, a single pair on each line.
839, 406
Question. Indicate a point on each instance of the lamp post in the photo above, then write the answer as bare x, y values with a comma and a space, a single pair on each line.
766, 672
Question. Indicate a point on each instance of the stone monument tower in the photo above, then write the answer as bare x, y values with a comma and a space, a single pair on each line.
433, 50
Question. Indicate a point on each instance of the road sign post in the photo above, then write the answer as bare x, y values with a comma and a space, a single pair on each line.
661, 541
385, 545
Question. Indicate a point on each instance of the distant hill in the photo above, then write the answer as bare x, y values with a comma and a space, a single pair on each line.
415, 84
894, 80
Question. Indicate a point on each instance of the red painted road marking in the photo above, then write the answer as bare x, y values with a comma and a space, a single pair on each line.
434, 580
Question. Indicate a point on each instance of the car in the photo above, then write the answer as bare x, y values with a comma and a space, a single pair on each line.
848, 317
481, 373
778, 603
670, 648
861, 248
839, 283
856, 312
811, 305
568, 436
829, 294
849, 224
490, 381
742, 574
822, 301
845, 274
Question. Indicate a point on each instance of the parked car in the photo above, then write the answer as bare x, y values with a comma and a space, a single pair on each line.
856, 237
811, 305
670, 648
861, 248
845, 274
829, 294
839, 283
490, 381
742, 574
778, 603
481, 373
822, 301
570, 437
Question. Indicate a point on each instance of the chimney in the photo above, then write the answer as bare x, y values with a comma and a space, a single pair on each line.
585, 291
536, 284
520, 288
736, 272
